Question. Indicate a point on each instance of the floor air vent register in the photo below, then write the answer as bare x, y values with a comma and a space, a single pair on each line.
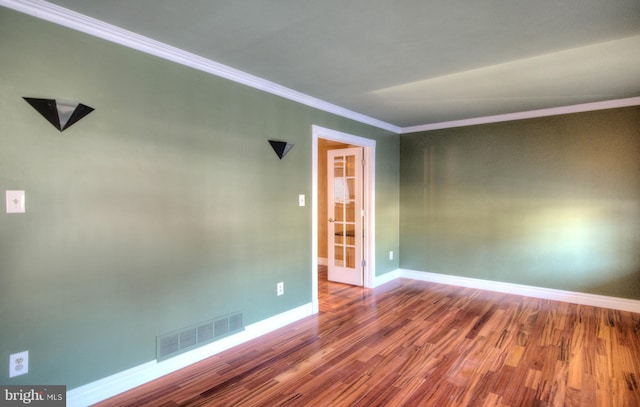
186, 339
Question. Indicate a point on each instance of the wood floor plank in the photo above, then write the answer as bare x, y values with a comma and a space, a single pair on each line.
411, 343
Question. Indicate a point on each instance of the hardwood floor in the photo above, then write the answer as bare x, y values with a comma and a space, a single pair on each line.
411, 343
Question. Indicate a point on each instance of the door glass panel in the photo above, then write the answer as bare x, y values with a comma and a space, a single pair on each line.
351, 167
350, 235
338, 166
341, 191
339, 256
339, 231
338, 212
351, 256
350, 212
350, 190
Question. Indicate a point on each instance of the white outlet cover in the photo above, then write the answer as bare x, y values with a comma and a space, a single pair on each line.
19, 364
15, 202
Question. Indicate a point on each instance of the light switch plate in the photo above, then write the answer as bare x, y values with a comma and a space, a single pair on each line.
301, 199
15, 202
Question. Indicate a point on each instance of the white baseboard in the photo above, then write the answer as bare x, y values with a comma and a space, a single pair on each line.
110, 386
120, 382
595, 300
385, 278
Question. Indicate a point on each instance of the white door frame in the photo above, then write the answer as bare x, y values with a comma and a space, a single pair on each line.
369, 175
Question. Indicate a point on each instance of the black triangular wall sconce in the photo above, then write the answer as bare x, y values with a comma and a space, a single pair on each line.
281, 147
61, 114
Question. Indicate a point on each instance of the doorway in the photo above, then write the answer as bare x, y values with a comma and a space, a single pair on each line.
326, 139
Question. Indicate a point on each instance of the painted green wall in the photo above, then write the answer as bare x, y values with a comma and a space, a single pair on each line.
164, 207
551, 202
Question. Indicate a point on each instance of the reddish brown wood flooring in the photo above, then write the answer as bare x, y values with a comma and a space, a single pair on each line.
411, 343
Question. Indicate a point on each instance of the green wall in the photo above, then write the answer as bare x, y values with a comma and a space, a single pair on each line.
551, 202
164, 207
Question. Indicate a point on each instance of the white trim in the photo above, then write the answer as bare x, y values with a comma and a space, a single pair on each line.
595, 300
369, 145
315, 303
386, 278
369, 178
585, 107
120, 382
88, 25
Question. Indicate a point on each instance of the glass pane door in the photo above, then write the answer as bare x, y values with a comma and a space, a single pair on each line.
345, 215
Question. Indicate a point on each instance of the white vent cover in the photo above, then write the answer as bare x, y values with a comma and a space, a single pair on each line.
185, 339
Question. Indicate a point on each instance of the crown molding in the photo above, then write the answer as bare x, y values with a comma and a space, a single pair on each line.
88, 25
584, 107
79, 22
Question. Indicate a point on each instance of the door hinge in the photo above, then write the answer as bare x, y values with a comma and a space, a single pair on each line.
363, 263
363, 163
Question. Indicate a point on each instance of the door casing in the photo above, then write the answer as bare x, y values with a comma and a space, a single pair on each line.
369, 146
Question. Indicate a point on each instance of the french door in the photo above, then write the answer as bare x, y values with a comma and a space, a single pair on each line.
345, 215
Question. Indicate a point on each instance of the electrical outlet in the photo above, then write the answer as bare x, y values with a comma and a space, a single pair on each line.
280, 288
391, 255
19, 364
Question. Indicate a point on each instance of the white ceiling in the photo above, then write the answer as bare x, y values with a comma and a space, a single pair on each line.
407, 62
